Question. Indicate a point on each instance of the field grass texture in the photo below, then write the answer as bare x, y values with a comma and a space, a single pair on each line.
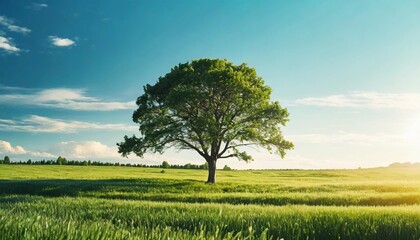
87, 202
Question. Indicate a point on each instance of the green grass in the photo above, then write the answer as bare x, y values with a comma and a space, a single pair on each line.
80, 202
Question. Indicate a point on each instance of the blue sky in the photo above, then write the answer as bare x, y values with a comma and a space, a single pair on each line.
346, 70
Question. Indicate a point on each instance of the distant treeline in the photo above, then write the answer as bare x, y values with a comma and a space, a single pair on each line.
405, 164
63, 161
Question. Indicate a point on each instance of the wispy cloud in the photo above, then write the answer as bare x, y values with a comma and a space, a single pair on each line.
86, 150
371, 100
64, 98
7, 121
39, 124
11, 26
7, 148
38, 6
342, 137
7, 45
9, 88
42, 154
61, 42
8, 25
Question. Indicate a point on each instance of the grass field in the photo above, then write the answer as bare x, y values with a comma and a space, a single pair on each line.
87, 202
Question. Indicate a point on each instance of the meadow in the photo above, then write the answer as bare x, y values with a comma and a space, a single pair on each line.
106, 202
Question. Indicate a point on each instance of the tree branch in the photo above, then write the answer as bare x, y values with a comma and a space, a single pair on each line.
230, 155
192, 147
224, 149
242, 145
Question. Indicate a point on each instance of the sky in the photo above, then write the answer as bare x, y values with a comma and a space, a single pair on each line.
347, 71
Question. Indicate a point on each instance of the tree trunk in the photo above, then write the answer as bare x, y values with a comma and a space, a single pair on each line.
212, 172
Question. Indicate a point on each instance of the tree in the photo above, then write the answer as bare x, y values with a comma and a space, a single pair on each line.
61, 161
212, 107
165, 164
227, 168
6, 160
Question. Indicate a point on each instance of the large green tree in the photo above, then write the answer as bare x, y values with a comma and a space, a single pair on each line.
212, 107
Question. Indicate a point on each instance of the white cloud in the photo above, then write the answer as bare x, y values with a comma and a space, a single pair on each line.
42, 154
346, 137
7, 45
8, 88
6, 147
7, 121
64, 98
371, 100
69, 149
86, 150
36, 123
61, 42
9, 24
39, 6
62, 95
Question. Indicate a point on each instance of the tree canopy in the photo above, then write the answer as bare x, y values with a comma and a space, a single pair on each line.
211, 106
